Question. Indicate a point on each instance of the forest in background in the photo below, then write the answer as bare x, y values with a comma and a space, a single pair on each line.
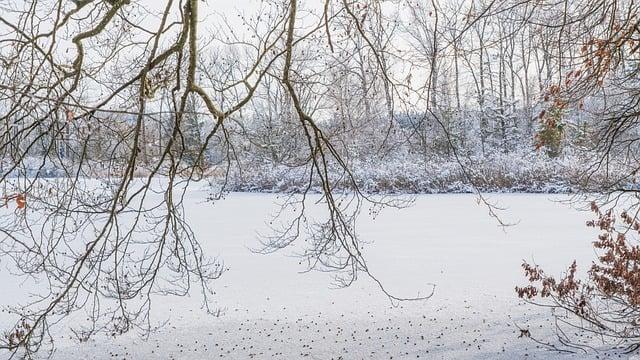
440, 97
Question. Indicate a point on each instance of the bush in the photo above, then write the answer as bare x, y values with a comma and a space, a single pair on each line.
607, 302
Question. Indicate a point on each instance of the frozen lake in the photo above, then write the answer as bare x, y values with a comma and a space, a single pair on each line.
269, 309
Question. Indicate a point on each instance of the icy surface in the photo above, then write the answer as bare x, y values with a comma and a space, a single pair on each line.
271, 310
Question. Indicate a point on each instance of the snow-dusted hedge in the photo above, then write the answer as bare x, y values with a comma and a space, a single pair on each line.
531, 172
514, 172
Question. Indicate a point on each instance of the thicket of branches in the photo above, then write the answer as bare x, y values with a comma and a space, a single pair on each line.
110, 110
602, 309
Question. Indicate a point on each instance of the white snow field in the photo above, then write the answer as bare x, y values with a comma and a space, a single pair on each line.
270, 310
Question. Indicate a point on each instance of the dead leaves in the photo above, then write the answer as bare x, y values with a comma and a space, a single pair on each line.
20, 200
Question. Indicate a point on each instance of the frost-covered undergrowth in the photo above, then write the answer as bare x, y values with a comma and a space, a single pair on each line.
522, 172
510, 173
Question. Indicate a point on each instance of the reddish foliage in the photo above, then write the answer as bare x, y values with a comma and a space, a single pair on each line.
21, 201
600, 57
610, 296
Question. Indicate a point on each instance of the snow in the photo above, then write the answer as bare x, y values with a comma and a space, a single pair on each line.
269, 309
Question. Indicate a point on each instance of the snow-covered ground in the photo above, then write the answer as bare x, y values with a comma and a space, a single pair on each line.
271, 310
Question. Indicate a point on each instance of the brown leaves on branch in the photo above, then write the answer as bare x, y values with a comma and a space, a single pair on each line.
548, 285
600, 58
19, 335
618, 273
20, 200
609, 297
